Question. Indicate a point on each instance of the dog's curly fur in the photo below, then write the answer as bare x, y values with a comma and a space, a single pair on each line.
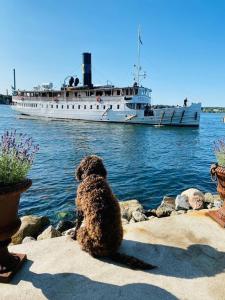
102, 233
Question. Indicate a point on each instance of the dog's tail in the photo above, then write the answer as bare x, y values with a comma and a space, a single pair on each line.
131, 262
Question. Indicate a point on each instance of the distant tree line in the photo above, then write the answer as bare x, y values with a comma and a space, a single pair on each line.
5, 99
213, 109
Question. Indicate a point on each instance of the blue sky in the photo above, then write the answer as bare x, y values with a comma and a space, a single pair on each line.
183, 49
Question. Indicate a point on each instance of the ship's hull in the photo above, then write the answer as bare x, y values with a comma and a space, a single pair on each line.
168, 116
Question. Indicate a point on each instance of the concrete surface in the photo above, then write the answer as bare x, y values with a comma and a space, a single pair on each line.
189, 251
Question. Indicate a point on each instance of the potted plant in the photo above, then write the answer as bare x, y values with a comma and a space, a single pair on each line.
17, 153
218, 174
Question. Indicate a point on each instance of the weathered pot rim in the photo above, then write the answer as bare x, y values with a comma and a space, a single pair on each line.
18, 187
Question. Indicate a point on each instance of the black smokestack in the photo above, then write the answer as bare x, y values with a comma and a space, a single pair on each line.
87, 69
14, 79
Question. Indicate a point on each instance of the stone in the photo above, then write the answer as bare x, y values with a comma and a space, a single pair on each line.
195, 198
181, 202
138, 216
30, 226
49, 233
150, 212
178, 212
168, 201
163, 211
128, 207
151, 217
28, 239
188, 250
218, 203
132, 221
124, 221
69, 231
210, 205
210, 198
166, 207
64, 225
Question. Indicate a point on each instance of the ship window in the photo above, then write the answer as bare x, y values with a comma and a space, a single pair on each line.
103, 106
110, 106
78, 106
97, 106
43, 94
118, 92
127, 92
91, 93
75, 94
62, 106
118, 107
72, 106
85, 106
99, 93
57, 106
50, 94
90, 106
130, 105
108, 93
51, 106
68, 106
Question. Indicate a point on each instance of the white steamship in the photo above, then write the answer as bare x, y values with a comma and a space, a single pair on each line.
106, 103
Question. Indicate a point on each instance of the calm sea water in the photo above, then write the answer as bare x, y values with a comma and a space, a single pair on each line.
143, 162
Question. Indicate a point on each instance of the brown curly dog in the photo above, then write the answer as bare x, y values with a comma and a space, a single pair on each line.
101, 233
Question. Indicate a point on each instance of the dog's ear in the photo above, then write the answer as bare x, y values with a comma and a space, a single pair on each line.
78, 173
90, 165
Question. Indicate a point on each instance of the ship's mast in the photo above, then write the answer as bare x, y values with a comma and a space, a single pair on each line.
138, 73
139, 56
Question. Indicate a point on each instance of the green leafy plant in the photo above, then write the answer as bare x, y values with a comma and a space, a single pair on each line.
17, 152
219, 149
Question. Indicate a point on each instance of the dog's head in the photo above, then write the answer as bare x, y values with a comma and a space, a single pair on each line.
90, 165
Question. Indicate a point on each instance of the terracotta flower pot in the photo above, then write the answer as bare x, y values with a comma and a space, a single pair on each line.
218, 173
9, 225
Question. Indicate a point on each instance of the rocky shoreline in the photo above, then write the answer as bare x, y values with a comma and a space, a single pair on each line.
38, 228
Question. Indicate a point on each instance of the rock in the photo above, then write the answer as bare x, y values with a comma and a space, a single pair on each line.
195, 198
69, 231
28, 239
124, 221
163, 211
178, 212
218, 203
150, 212
64, 225
166, 207
138, 216
132, 221
49, 233
181, 202
168, 201
210, 198
151, 217
31, 226
210, 205
128, 207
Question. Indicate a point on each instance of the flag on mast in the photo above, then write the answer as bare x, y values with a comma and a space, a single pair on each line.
139, 37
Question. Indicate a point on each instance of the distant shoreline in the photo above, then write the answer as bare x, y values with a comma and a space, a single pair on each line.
5, 99
213, 109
